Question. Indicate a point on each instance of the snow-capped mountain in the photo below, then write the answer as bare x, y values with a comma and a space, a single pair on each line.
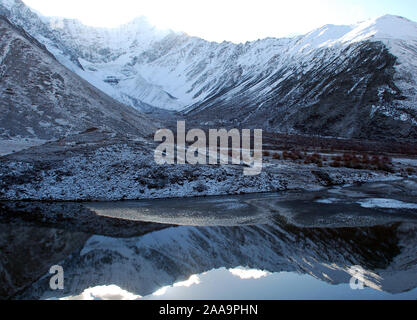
73, 43
41, 99
351, 81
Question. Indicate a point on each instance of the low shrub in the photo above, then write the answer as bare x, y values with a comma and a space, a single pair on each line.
276, 156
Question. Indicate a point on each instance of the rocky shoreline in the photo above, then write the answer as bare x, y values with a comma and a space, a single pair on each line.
101, 166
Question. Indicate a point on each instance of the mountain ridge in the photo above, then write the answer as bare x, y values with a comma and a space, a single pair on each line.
259, 83
42, 99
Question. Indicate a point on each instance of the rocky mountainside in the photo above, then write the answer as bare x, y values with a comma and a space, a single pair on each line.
74, 44
42, 99
349, 81
354, 81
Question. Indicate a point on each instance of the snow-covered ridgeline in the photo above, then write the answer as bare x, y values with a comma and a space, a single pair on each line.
137, 63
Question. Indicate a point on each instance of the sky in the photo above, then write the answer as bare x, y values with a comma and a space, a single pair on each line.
230, 20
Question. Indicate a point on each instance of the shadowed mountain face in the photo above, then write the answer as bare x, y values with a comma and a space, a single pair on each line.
42, 99
37, 250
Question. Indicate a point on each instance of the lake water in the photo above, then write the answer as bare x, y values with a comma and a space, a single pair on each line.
293, 245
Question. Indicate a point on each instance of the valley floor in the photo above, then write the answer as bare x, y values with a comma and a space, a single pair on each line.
100, 166
16, 145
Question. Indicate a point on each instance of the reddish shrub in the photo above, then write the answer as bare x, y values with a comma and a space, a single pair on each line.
276, 156
336, 164
410, 171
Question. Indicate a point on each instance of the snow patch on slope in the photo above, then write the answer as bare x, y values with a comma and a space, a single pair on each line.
385, 27
387, 203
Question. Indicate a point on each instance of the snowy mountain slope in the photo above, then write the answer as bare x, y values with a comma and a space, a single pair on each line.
351, 91
350, 81
41, 99
179, 71
72, 42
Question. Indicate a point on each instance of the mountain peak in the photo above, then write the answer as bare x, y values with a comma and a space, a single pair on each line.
391, 17
384, 28
395, 27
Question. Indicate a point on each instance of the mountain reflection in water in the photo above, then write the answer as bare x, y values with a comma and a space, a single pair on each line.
304, 261
260, 256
